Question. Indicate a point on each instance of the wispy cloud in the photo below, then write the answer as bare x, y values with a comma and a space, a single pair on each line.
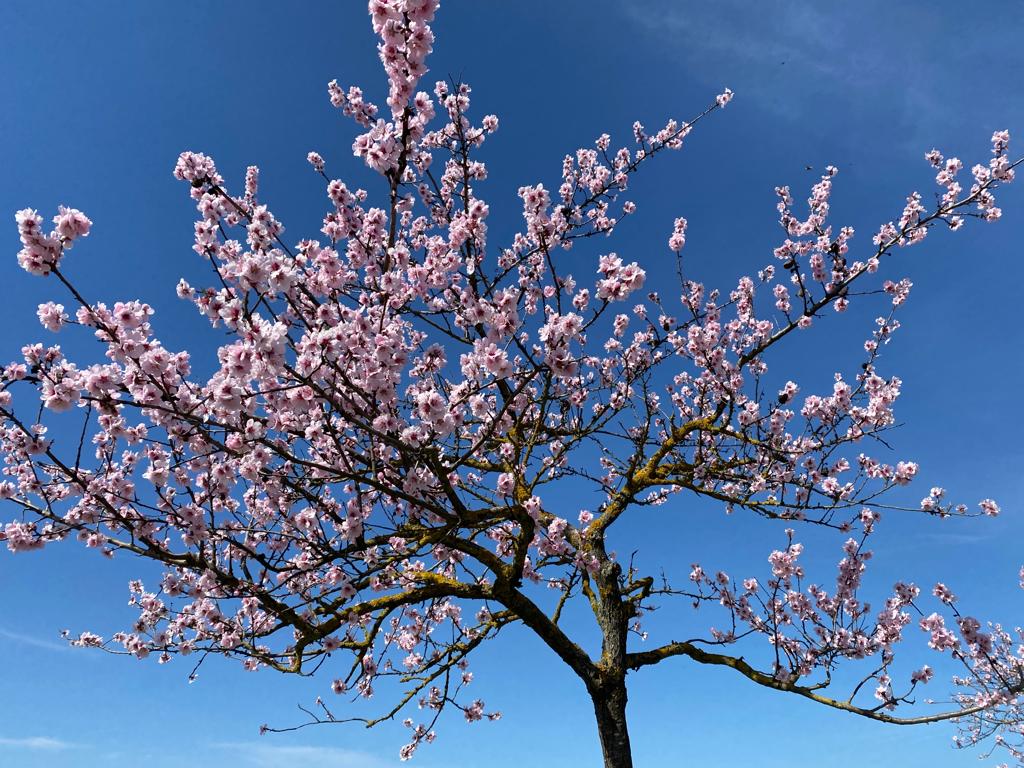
897, 65
949, 541
288, 756
35, 642
42, 743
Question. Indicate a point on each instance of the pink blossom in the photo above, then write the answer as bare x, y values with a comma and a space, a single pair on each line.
353, 480
71, 224
52, 315
989, 507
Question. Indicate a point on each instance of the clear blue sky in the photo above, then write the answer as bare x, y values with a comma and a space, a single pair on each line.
98, 100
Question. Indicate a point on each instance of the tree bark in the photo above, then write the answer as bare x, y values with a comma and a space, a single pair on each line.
608, 686
610, 709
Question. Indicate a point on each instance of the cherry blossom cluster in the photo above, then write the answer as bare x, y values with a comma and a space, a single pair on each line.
40, 253
811, 628
373, 480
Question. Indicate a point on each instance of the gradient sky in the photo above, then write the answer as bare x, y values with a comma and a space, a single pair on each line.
100, 97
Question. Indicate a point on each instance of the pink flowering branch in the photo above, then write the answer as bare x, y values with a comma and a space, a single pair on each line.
376, 479
811, 630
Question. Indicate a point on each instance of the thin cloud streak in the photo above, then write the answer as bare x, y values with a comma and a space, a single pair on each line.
41, 743
35, 642
288, 756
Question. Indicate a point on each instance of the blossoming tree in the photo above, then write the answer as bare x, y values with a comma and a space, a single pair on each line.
371, 481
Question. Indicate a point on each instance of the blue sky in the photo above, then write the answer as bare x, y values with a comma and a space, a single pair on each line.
100, 98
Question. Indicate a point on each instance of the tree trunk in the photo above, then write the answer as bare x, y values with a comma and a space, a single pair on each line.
610, 708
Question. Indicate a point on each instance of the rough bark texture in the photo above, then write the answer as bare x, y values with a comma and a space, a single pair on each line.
610, 709
608, 689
